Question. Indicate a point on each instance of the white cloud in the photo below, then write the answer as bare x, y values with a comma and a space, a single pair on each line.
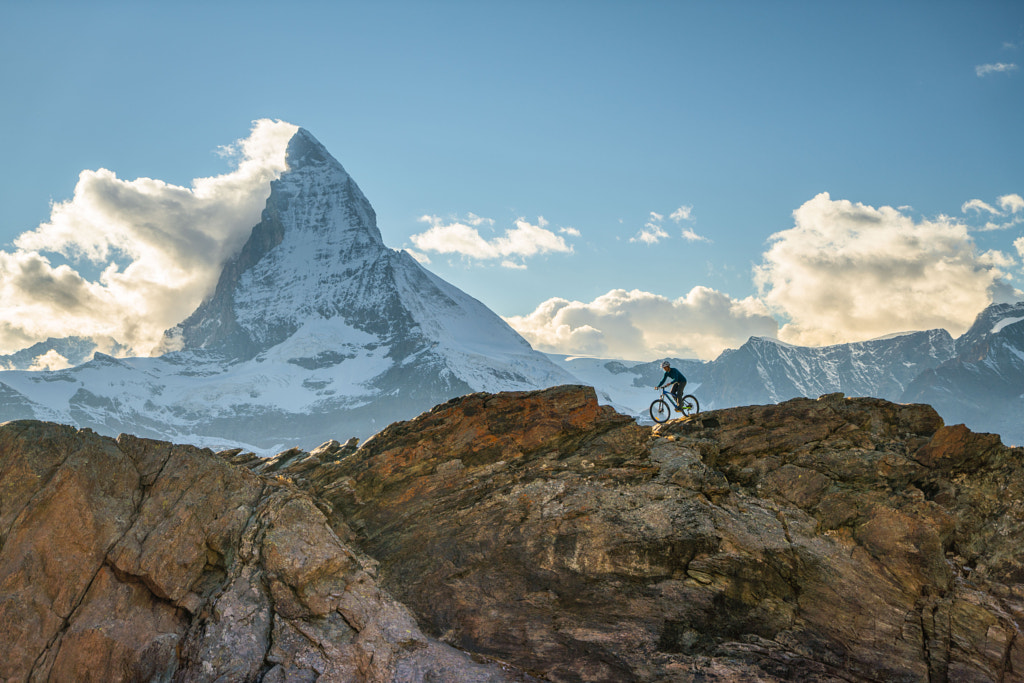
690, 236
1012, 203
51, 360
1019, 245
1009, 203
523, 241
477, 221
572, 232
999, 67
683, 213
530, 240
419, 256
978, 205
651, 234
158, 249
640, 325
848, 272
454, 238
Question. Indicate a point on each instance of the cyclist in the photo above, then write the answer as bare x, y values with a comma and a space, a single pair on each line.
678, 382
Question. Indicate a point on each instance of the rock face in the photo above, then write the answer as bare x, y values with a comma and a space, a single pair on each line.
831, 539
816, 540
135, 560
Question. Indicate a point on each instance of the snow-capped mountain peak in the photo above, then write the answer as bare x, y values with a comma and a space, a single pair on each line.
316, 330
316, 231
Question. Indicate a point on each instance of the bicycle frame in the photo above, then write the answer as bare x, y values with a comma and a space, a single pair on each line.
661, 408
667, 394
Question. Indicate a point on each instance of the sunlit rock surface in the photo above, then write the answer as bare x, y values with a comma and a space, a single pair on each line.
136, 560
524, 534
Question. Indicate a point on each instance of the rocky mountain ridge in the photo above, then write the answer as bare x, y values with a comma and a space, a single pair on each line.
983, 383
524, 536
977, 379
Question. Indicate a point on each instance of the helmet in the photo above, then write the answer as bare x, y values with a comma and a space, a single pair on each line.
665, 364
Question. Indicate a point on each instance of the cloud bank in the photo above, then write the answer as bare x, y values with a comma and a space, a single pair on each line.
849, 272
640, 325
844, 272
129, 259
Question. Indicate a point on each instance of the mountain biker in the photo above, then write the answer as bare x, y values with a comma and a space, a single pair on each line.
677, 379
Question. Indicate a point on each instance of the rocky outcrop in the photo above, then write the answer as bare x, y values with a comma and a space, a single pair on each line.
135, 560
834, 539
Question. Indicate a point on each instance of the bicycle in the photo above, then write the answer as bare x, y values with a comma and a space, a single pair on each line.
661, 409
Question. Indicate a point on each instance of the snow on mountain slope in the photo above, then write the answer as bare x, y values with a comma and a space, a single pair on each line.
316, 330
978, 379
983, 384
318, 255
767, 371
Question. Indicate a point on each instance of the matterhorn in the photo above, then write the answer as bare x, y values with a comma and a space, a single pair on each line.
316, 330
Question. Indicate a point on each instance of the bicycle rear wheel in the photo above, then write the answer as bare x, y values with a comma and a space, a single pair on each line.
661, 411
690, 405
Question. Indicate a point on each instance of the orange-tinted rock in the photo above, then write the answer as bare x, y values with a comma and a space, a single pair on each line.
788, 542
138, 560
954, 447
813, 540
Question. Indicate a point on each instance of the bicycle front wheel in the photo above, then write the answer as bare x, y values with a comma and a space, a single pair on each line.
689, 405
661, 411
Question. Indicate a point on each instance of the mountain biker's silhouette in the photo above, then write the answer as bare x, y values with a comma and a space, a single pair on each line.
677, 379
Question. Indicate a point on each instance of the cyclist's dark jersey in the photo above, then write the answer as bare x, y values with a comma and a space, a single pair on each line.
672, 375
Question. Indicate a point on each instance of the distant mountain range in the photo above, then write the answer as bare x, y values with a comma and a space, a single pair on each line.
317, 330
977, 379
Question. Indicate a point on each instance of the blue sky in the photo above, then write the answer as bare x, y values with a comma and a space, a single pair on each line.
775, 133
